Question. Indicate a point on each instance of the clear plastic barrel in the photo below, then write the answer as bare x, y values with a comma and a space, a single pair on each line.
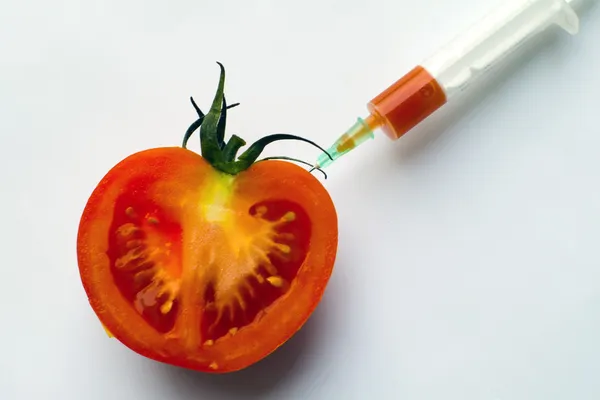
488, 43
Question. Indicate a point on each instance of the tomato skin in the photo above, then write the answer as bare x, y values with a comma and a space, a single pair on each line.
174, 178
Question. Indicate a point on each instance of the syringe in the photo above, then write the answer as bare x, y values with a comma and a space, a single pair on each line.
455, 68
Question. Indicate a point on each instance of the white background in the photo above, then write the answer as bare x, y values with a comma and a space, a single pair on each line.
468, 263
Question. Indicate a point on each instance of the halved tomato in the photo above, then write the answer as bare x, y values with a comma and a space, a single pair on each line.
206, 262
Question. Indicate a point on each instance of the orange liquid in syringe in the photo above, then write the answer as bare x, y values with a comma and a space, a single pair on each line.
407, 102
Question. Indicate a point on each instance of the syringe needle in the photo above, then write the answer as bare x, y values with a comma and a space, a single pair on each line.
359, 133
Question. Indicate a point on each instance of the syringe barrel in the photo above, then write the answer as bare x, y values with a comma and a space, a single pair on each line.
407, 102
466, 59
491, 41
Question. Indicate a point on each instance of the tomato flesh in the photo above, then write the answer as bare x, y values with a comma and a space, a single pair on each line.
195, 268
144, 252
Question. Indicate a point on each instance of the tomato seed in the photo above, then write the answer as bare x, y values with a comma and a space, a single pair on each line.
127, 229
261, 211
284, 248
276, 281
289, 216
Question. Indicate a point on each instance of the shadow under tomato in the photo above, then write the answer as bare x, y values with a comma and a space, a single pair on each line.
257, 380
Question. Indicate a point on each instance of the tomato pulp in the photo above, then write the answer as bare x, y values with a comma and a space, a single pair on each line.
204, 269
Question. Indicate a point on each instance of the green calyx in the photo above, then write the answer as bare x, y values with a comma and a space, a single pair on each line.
224, 155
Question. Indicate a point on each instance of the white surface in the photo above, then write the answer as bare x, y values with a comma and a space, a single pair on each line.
468, 264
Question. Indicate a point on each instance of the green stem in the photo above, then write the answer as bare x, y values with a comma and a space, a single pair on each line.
190, 131
221, 125
232, 147
250, 155
209, 142
198, 110
221, 155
